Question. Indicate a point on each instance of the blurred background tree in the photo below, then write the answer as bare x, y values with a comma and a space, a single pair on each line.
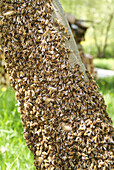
99, 37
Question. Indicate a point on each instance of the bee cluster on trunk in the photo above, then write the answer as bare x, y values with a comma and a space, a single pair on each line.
66, 125
4, 78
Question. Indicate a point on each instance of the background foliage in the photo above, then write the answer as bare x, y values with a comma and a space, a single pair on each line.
98, 12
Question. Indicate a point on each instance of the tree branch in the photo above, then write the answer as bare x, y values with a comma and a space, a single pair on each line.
107, 31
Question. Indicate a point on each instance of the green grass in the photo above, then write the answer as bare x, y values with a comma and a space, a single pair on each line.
14, 155
106, 88
107, 63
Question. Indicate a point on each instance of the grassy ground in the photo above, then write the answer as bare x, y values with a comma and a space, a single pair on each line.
106, 88
107, 63
14, 155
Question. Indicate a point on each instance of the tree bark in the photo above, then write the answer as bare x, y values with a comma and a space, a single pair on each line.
106, 34
101, 48
74, 57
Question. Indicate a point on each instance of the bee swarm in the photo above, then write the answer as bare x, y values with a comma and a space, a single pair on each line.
65, 122
4, 78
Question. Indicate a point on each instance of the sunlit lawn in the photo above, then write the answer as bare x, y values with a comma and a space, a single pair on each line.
107, 63
14, 155
106, 88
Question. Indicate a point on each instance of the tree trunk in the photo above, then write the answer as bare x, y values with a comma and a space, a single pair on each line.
74, 57
107, 32
101, 49
64, 117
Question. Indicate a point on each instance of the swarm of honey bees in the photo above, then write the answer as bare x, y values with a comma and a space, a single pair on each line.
66, 125
4, 78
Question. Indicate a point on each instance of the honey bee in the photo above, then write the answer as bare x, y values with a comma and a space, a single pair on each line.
56, 21
66, 127
40, 31
68, 50
71, 163
40, 160
47, 22
61, 27
9, 13
47, 100
69, 37
66, 31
